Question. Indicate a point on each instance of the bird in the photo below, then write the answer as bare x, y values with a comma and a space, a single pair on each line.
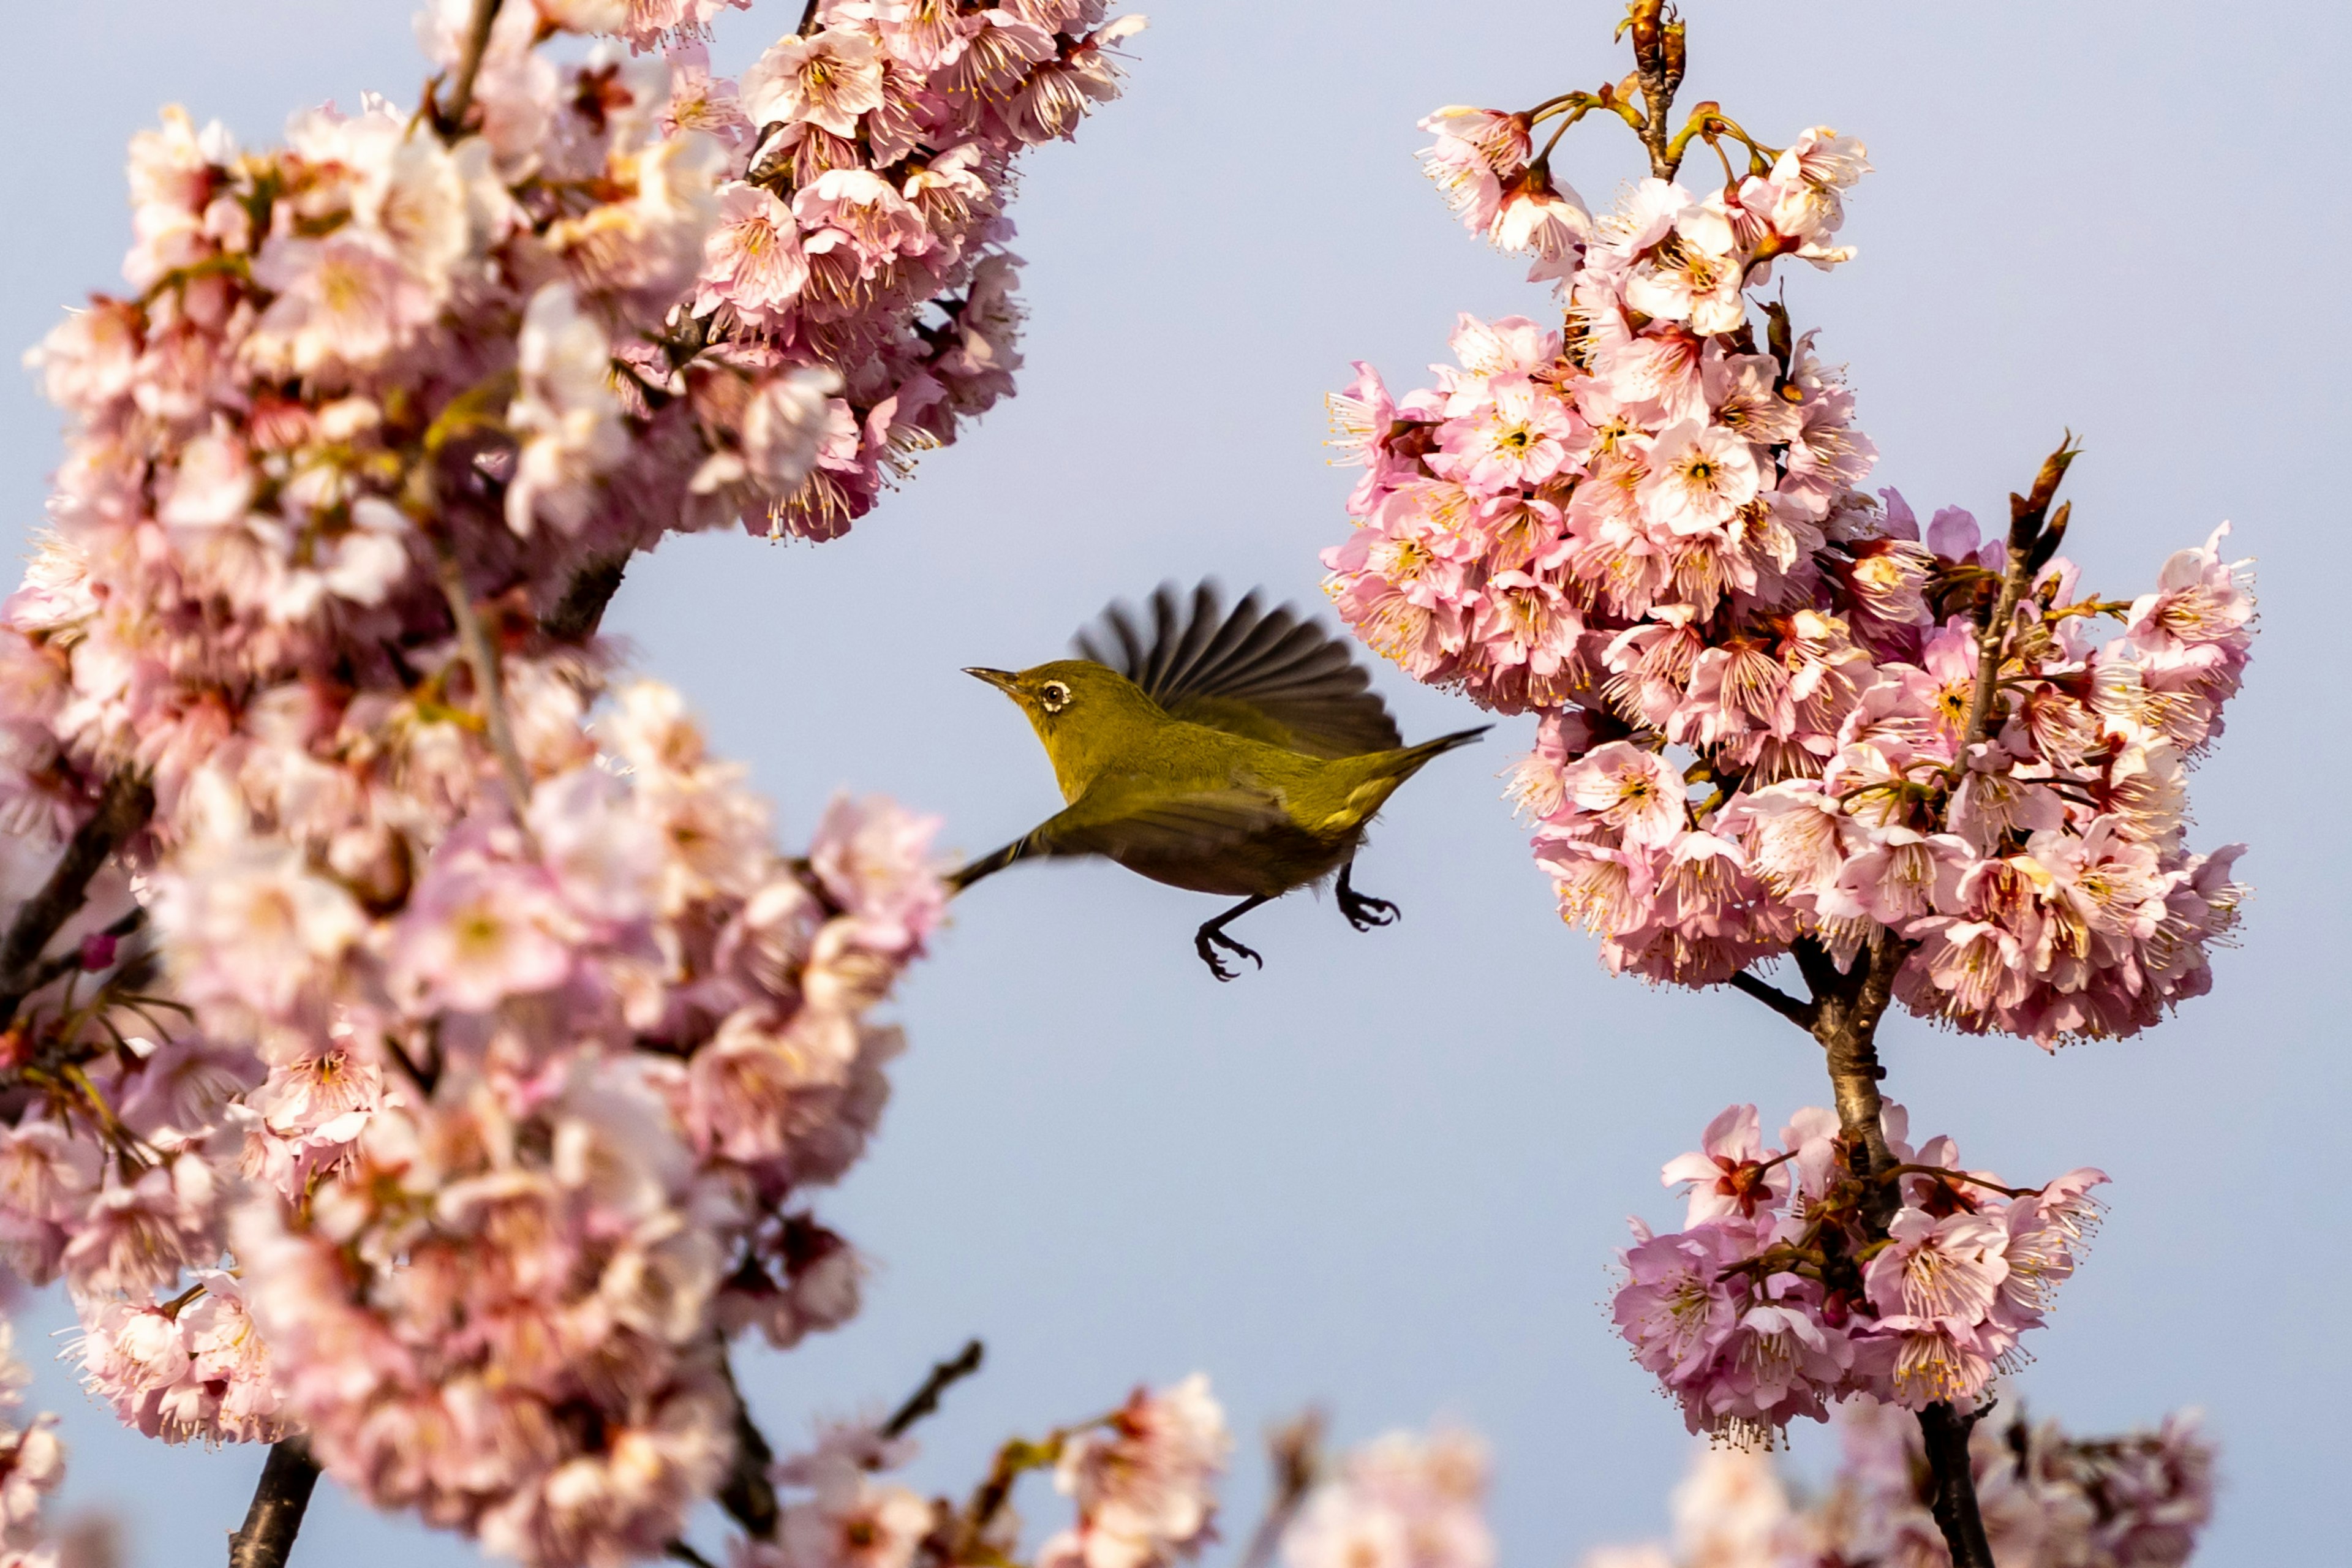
1240, 752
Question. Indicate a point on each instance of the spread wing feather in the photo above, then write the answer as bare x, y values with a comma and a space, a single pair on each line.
1265, 674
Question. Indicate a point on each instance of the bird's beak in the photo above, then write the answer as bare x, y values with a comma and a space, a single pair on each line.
1002, 680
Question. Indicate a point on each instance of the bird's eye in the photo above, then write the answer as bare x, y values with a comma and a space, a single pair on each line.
1053, 696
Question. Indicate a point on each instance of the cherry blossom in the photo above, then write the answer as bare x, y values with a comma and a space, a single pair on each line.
1652, 522
1776, 1299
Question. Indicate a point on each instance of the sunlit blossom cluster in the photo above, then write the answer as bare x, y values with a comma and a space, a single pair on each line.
1755, 681
2049, 1500
1776, 1299
443, 1068
861, 228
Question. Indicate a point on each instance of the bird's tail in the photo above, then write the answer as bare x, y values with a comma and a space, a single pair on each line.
1416, 755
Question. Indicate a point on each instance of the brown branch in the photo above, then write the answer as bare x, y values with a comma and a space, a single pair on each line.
1658, 60
1295, 1449
474, 640
275, 1516
2033, 535
580, 611
748, 1495
1800, 1013
477, 43
1848, 1004
1946, 1432
122, 811
944, 1375
808, 20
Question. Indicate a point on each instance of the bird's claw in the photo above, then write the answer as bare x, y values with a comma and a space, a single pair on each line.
1364, 912
1209, 939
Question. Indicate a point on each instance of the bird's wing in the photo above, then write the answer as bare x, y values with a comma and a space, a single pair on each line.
1264, 674
1197, 825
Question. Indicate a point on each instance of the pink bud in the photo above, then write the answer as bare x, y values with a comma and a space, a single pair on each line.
98, 951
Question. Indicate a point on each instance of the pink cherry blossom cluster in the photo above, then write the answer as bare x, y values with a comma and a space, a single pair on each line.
503, 1158
1756, 684
1143, 1481
861, 226
1773, 1301
2135, 1501
441, 1067
1402, 1502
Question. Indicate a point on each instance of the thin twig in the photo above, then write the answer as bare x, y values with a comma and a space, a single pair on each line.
1800, 1013
687, 1554
2027, 536
474, 640
122, 811
1295, 1452
748, 1495
477, 43
279, 1499
925, 1400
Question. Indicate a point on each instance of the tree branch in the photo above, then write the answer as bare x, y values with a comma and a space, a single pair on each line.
473, 639
580, 611
1848, 1004
1797, 1013
2031, 544
279, 1499
944, 1375
1946, 1431
1295, 1449
478, 42
748, 1495
122, 811
1658, 59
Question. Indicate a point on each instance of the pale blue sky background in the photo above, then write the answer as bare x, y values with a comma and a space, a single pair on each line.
1387, 1173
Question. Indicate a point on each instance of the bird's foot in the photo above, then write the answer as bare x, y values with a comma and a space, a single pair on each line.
1364, 912
1209, 939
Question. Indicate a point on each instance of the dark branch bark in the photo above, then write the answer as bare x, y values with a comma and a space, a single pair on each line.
749, 1495
1797, 1013
944, 1375
580, 611
1946, 1431
279, 1499
122, 811
478, 40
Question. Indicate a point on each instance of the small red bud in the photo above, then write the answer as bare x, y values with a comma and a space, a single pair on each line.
98, 951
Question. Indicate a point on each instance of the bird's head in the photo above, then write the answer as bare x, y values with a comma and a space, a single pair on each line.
1085, 712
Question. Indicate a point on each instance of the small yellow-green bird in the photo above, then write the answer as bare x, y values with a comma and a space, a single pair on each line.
1241, 755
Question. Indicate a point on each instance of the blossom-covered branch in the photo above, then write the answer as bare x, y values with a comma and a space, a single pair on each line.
421, 1043
1779, 721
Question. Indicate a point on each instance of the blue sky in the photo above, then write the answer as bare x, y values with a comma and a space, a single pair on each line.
1387, 1173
